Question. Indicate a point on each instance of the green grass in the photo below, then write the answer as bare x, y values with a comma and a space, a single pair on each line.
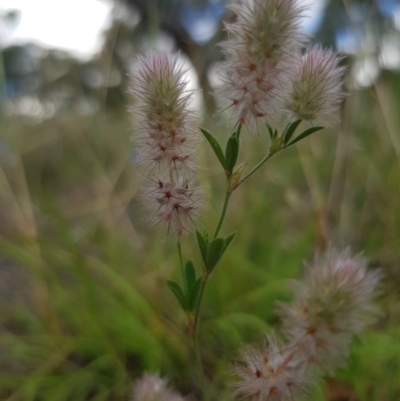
94, 311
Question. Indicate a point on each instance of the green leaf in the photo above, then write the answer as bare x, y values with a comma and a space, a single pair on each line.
231, 154
215, 146
174, 287
194, 294
228, 240
237, 133
214, 253
304, 134
271, 132
290, 130
190, 275
202, 245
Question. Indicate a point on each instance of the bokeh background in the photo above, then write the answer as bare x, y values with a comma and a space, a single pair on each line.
84, 308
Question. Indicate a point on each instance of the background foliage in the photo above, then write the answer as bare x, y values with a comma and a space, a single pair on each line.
83, 301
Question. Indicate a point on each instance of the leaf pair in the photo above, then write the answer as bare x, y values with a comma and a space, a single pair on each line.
188, 297
289, 131
211, 252
229, 159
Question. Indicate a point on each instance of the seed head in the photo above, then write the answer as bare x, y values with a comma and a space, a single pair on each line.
272, 373
316, 88
258, 50
334, 303
152, 388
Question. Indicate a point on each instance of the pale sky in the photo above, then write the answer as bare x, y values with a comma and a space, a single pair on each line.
76, 26
73, 25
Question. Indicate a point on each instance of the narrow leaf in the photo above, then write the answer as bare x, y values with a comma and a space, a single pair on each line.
237, 133
228, 240
215, 146
202, 245
232, 152
194, 294
304, 134
174, 287
214, 253
271, 131
290, 130
190, 275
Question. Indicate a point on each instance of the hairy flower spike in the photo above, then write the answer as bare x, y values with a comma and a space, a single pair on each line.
274, 373
333, 304
166, 137
165, 125
258, 51
173, 202
153, 388
316, 88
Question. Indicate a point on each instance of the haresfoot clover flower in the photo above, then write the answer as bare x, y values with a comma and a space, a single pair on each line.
153, 388
334, 303
165, 125
258, 53
166, 138
173, 201
275, 372
316, 90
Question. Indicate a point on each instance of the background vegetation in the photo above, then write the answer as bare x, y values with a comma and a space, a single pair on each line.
84, 308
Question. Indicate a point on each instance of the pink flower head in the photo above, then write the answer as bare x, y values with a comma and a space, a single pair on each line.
174, 202
334, 303
273, 373
258, 50
152, 388
316, 88
164, 123
166, 139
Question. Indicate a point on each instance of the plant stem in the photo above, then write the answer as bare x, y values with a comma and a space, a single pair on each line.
199, 364
206, 275
255, 168
200, 368
224, 208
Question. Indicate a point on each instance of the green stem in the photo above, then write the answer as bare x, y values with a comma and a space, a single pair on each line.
200, 299
255, 168
200, 368
224, 208
199, 364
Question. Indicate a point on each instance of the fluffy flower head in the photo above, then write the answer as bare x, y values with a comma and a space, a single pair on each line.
166, 139
333, 304
164, 121
174, 202
273, 373
316, 88
258, 50
152, 388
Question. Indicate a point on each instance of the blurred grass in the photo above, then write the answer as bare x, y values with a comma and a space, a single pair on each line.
83, 302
